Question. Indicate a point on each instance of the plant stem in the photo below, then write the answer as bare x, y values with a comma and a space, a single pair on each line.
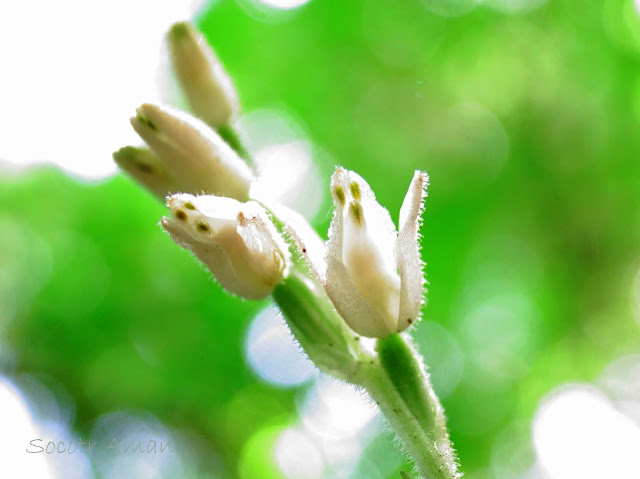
401, 387
230, 135
419, 444
394, 377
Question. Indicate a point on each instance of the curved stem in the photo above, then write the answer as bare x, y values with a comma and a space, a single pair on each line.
403, 390
395, 377
418, 442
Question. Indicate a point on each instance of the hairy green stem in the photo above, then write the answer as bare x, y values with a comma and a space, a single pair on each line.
393, 375
404, 392
417, 440
317, 327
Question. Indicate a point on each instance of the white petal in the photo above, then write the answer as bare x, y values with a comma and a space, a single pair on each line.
206, 216
357, 312
347, 186
408, 251
309, 244
339, 190
361, 277
380, 227
236, 241
209, 89
147, 169
268, 255
363, 258
214, 258
194, 154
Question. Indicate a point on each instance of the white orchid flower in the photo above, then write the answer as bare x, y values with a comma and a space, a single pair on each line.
236, 241
373, 274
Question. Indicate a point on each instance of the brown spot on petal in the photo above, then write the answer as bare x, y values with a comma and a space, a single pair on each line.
356, 211
340, 194
188, 205
144, 168
355, 190
147, 122
203, 227
181, 215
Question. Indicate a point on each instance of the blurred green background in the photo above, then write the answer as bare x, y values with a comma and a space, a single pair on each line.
524, 113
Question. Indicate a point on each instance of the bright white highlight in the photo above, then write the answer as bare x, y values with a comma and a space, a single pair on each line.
272, 353
72, 74
16, 433
578, 433
283, 157
117, 431
282, 4
284, 171
297, 456
335, 410
335, 422
32, 428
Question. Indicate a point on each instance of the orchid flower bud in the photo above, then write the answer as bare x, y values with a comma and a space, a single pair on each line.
236, 241
196, 157
374, 274
209, 89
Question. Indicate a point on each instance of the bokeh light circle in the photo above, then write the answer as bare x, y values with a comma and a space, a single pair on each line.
282, 4
577, 432
272, 353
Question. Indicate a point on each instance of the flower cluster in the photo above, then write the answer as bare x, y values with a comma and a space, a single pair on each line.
371, 272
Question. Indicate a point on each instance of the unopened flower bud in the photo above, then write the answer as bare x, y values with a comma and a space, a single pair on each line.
195, 156
209, 89
147, 169
236, 241
374, 275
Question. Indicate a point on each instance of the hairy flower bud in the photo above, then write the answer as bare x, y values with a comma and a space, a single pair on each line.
373, 274
236, 241
196, 158
209, 89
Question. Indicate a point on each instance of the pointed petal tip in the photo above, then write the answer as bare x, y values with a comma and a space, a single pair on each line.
421, 181
340, 187
147, 108
180, 30
166, 223
122, 156
180, 199
340, 176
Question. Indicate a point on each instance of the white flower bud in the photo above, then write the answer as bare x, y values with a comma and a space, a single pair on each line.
147, 169
195, 156
236, 241
209, 89
373, 274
